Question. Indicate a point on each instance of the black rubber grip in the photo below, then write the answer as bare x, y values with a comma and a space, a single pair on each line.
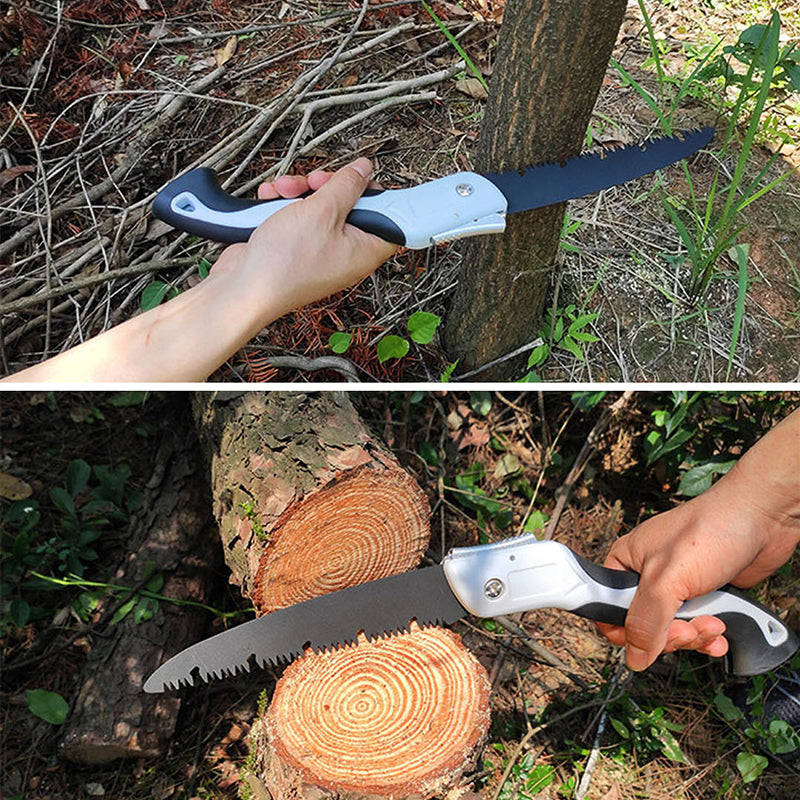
204, 184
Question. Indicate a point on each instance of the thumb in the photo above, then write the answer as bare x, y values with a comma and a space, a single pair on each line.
651, 611
340, 193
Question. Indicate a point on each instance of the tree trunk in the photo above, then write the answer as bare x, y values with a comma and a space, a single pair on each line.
309, 502
551, 59
172, 534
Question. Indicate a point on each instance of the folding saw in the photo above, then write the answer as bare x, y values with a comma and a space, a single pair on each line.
519, 574
453, 207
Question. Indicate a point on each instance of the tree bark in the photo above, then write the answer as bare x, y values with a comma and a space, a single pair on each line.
172, 534
551, 59
307, 502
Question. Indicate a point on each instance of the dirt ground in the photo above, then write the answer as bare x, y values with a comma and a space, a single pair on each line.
104, 101
524, 445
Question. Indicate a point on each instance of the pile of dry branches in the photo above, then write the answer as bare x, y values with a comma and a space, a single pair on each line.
251, 100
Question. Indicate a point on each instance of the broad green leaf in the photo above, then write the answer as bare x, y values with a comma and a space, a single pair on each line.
145, 609
620, 728
538, 355
430, 455
78, 473
422, 326
392, 346
480, 402
537, 521
698, 479
49, 706
586, 401
123, 611
726, 707
19, 611
782, 737
669, 746
581, 322
568, 343
750, 765
152, 295
62, 500
339, 342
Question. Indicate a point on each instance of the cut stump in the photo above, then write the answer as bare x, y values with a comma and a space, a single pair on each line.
398, 717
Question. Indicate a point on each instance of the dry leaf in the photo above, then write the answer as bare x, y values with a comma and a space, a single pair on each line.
350, 80
12, 488
158, 30
12, 173
507, 464
225, 53
476, 435
453, 10
472, 87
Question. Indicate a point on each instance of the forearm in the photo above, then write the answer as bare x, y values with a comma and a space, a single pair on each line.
768, 475
185, 339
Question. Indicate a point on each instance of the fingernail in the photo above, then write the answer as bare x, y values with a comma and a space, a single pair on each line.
362, 167
637, 658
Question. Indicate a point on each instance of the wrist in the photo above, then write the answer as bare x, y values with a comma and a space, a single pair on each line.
240, 288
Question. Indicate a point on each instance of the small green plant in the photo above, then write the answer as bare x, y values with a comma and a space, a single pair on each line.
666, 440
645, 733
708, 227
49, 706
776, 735
421, 326
250, 513
91, 502
563, 328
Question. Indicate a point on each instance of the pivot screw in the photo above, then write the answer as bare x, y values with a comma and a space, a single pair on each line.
464, 189
493, 588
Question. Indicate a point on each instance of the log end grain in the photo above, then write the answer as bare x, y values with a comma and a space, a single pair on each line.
368, 523
398, 717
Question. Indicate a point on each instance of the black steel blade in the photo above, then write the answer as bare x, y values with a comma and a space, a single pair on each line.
377, 608
546, 184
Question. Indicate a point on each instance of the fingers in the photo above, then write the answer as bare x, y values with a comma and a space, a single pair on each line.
291, 186
337, 196
703, 634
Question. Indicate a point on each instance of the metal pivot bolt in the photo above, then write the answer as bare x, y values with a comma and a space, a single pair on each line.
464, 189
493, 588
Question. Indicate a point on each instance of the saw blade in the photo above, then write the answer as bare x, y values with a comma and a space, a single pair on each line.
546, 184
378, 608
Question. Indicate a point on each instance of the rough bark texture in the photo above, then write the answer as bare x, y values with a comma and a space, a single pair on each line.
173, 534
306, 499
550, 63
398, 717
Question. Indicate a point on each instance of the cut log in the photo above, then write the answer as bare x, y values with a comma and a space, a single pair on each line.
307, 500
172, 533
396, 717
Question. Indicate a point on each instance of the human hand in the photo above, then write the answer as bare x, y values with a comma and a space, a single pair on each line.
739, 531
306, 251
